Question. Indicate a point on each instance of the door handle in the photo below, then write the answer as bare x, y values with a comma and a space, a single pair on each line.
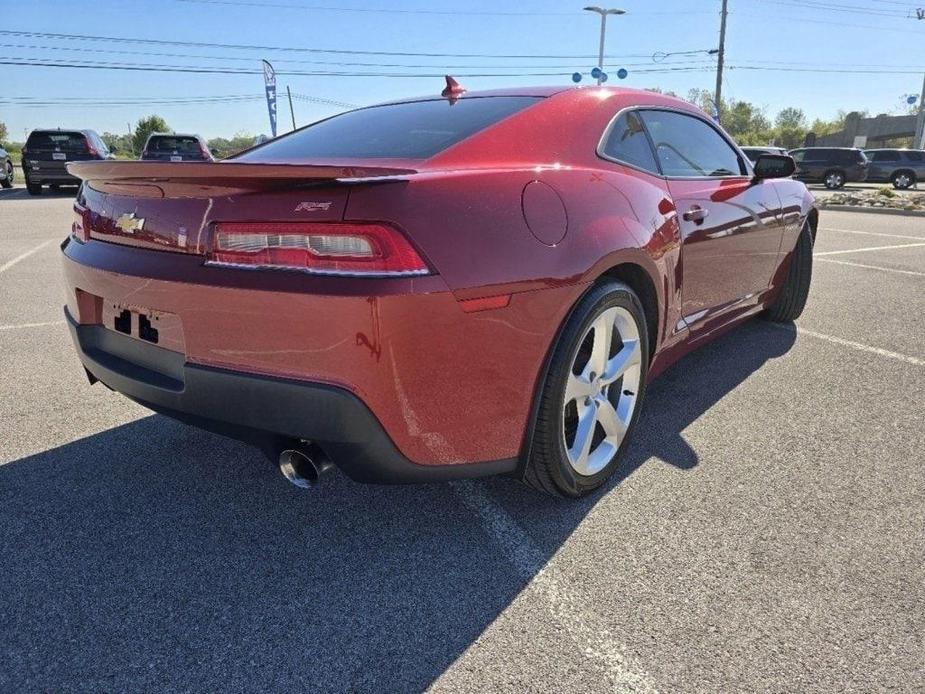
696, 215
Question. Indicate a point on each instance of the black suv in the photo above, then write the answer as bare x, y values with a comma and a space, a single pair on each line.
833, 166
47, 152
174, 147
753, 152
901, 167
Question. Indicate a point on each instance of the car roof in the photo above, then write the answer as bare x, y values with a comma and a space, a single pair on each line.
64, 130
541, 91
193, 135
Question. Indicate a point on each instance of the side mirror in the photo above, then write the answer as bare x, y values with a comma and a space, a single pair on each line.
774, 166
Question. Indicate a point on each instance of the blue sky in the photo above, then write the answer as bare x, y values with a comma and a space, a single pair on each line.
790, 36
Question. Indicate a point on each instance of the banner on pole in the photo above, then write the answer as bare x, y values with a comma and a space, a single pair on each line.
269, 80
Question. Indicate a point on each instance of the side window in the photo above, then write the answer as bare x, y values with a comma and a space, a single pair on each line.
628, 143
798, 155
914, 156
887, 156
823, 155
851, 156
688, 147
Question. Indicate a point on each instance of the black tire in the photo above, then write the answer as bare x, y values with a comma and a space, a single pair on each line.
833, 180
903, 180
792, 298
8, 175
34, 188
548, 469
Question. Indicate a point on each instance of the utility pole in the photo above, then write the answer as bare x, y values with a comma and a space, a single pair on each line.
291, 112
718, 94
918, 141
600, 53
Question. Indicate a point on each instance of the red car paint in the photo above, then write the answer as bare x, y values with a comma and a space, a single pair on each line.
524, 215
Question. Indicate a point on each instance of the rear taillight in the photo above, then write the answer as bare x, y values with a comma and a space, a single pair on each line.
327, 248
80, 226
91, 150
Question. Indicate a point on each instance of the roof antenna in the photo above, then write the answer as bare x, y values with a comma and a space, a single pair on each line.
453, 90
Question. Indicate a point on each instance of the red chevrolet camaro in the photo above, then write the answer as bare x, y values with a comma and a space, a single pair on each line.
465, 285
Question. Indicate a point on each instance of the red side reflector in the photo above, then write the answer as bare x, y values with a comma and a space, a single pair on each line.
485, 303
337, 248
80, 226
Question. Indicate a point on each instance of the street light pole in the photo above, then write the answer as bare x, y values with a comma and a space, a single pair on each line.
600, 53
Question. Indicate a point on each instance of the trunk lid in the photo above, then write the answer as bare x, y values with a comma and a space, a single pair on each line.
172, 206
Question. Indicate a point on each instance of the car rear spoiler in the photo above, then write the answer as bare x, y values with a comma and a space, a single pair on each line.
231, 174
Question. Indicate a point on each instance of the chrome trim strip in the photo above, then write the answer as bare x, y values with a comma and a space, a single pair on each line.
310, 271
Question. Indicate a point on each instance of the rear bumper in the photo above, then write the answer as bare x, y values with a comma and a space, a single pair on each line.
258, 408
49, 176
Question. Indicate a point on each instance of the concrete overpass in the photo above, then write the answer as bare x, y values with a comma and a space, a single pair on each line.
881, 131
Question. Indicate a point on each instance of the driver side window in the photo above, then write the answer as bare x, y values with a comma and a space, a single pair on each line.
687, 147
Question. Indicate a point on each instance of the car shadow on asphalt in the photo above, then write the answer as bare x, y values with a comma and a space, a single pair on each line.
20, 193
156, 556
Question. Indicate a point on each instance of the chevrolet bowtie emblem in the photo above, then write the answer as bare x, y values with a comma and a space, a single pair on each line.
129, 224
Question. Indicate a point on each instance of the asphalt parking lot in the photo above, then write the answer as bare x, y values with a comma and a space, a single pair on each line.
765, 534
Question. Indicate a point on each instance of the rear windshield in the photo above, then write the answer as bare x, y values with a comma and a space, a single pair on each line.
415, 130
64, 141
181, 145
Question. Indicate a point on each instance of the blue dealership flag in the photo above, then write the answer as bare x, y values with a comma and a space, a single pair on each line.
269, 79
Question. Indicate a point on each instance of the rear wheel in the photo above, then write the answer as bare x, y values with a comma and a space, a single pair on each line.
592, 395
34, 188
903, 179
792, 298
833, 179
7, 180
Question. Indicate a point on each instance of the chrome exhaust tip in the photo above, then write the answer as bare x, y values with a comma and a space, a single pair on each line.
304, 464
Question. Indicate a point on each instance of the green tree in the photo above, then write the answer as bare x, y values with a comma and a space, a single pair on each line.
223, 147
146, 126
790, 128
118, 144
4, 133
746, 123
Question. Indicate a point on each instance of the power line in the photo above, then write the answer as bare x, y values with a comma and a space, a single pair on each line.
827, 22
148, 67
278, 61
296, 49
390, 10
376, 10
840, 7
435, 75
657, 58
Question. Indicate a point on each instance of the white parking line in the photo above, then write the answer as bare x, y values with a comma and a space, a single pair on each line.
873, 233
31, 325
915, 361
872, 248
6, 266
872, 267
585, 626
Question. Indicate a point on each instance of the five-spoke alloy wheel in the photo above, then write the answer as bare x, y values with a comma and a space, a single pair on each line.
601, 391
592, 393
